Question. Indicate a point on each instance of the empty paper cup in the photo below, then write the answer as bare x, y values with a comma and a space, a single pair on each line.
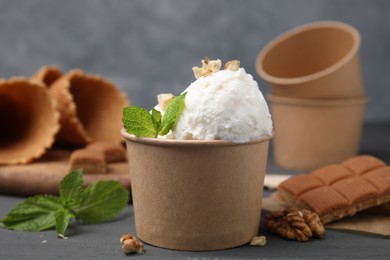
196, 195
29, 120
310, 133
316, 60
90, 108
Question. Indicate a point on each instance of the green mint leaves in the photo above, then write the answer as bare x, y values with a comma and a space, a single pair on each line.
101, 202
97, 203
139, 122
34, 214
171, 116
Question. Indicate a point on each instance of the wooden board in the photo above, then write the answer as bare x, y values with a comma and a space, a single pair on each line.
43, 176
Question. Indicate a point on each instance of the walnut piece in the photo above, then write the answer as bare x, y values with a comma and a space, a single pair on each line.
295, 224
164, 99
232, 65
258, 241
208, 67
131, 245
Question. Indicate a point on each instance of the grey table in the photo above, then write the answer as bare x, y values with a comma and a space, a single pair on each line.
102, 241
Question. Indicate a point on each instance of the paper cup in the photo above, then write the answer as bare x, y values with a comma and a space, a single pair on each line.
29, 120
196, 195
90, 108
310, 133
316, 60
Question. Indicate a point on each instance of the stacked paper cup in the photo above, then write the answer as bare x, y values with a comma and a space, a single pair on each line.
317, 95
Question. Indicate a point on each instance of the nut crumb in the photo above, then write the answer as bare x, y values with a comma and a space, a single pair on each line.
164, 99
232, 65
131, 245
208, 67
258, 241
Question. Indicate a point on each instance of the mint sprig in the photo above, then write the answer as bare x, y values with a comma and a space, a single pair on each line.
139, 122
99, 202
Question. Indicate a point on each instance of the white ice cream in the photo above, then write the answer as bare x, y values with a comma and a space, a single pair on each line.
227, 105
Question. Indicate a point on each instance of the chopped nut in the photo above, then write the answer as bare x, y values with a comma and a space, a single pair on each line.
232, 65
258, 241
295, 224
125, 237
163, 100
208, 67
199, 72
215, 65
131, 245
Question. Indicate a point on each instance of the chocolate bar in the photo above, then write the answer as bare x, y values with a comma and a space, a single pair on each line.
339, 190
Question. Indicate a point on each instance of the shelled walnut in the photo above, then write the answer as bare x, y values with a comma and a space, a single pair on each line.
295, 224
131, 245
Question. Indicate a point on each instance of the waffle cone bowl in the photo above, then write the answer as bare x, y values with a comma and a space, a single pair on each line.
90, 108
29, 120
47, 75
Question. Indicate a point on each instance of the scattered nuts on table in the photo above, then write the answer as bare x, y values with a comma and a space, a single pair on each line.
131, 245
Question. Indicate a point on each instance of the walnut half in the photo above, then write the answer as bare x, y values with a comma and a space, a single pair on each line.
295, 224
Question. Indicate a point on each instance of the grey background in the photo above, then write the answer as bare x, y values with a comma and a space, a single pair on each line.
149, 46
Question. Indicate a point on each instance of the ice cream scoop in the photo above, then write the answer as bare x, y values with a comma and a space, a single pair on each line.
224, 105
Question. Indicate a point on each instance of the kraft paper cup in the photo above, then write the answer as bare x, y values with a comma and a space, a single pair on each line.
90, 108
310, 133
315, 60
196, 195
28, 119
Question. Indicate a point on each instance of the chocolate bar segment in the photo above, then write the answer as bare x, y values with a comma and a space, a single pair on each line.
355, 189
332, 173
324, 199
363, 163
300, 184
89, 160
380, 178
113, 152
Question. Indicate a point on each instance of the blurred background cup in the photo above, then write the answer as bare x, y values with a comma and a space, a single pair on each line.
317, 94
196, 194
310, 133
315, 60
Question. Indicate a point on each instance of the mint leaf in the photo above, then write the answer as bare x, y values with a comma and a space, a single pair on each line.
139, 122
71, 188
62, 218
156, 117
33, 214
171, 116
101, 202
